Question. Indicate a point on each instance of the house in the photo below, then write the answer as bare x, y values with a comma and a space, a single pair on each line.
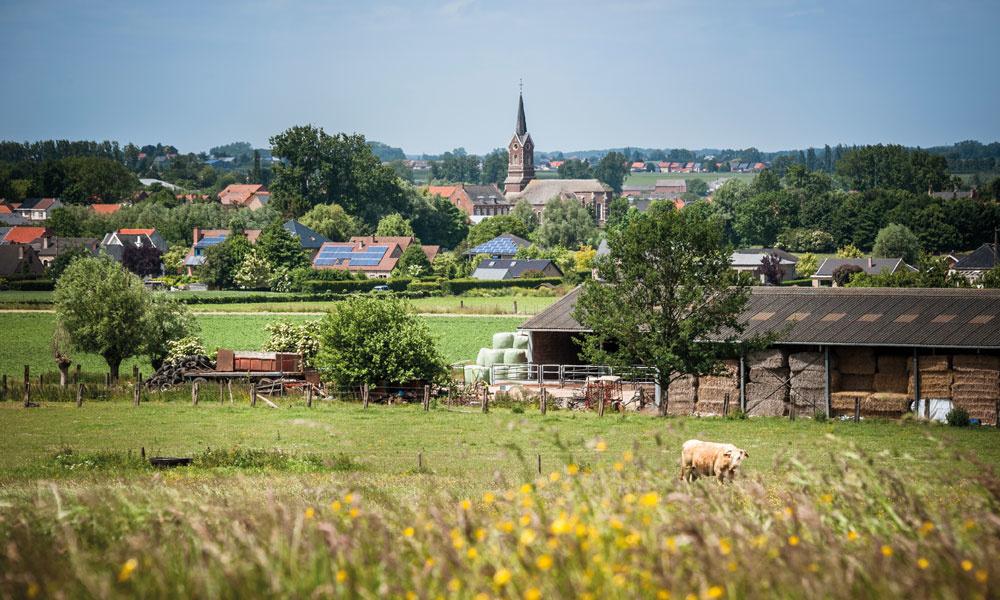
203, 239
310, 240
23, 234
245, 195
750, 260
476, 201
114, 243
191, 198
669, 188
51, 248
375, 256
496, 269
105, 209
870, 266
955, 194
19, 261
638, 167
37, 209
502, 246
972, 266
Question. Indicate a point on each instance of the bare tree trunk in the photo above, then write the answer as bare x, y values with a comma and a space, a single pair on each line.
64, 366
664, 397
113, 364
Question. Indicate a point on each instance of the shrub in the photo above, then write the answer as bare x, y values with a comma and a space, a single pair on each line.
957, 417
843, 274
457, 286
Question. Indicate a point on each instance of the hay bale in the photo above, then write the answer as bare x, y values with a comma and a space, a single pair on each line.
489, 357
683, 396
807, 398
765, 375
767, 359
975, 362
893, 363
474, 373
857, 383
521, 341
893, 382
802, 361
856, 361
933, 384
934, 363
845, 401
503, 340
766, 399
885, 404
515, 356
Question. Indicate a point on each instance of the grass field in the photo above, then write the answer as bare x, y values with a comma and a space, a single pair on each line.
25, 338
330, 501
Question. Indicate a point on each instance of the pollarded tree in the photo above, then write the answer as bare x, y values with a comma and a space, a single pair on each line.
394, 225
897, 241
667, 287
332, 221
566, 222
367, 339
166, 320
523, 212
102, 308
612, 170
413, 262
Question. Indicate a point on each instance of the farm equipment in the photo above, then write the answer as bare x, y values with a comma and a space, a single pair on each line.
272, 372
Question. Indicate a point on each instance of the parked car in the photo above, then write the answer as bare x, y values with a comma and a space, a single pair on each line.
380, 288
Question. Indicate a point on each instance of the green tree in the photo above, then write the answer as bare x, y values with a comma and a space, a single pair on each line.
254, 272
611, 170
807, 265
617, 210
849, 251
697, 186
566, 222
102, 306
222, 261
331, 221
893, 166
280, 248
757, 221
413, 262
301, 338
58, 266
575, 169
173, 259
437, 221
394, 225
402, 170
377, 340
495, 166
318, 168
456, 167
487, 229
165, 320
895, 241
667, 287
65, 222
526, 214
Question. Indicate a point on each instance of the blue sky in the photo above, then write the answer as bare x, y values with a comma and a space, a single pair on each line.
431, 76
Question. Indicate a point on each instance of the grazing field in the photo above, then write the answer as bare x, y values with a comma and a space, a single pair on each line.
25, 338
330, 501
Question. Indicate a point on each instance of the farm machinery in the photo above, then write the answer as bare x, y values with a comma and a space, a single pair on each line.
272, 372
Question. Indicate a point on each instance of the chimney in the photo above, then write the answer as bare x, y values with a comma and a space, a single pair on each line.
870, 265
45, 242
20, 252
197, 234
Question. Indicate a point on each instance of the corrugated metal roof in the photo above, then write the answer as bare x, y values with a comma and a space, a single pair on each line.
901, 317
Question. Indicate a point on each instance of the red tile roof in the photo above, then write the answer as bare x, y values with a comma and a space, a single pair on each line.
24, 235
4, 209
137, 231
105, 209
240, 193
445, 191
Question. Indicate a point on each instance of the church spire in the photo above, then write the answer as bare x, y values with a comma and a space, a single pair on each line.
521, 127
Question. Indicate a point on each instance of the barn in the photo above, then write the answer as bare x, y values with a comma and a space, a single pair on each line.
878, 351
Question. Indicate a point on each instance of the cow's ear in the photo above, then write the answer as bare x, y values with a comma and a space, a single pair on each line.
728, 453
746, 454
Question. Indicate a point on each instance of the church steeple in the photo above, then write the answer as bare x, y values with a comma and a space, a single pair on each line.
521, 149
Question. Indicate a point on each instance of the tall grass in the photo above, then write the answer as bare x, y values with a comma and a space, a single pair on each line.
628, 530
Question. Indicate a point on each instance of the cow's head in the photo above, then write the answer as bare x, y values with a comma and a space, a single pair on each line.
736, 456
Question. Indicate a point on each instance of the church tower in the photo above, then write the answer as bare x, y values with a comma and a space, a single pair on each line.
521, 164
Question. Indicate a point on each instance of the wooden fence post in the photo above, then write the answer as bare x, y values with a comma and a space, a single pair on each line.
857, 410
107, 379
229, 388
309, 395
486, 400
420, 461
135, 372
222, 392
79, 395
194, 394
515, 307
3, 389
27, 385
600, 404
427, 398
135, 392
253, 394
364, 395
539, 464
543, 402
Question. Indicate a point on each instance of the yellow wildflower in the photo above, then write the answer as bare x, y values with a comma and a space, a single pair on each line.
454, 585
982, 575
629, 498
618, 580
472, 553
544, 562
335, 506
429, 563
353, 512
886, 550
560, 525
926, 527
923, 563
601, 446
826, 498
793, 540
627, 456
731, 566
662, 595
349, 498
480, 534
649, 499
482, 596
341, 576
458, 543
526, 488
310, 513
466, 504
616, 524
411, 595
715, 591
572, 469
554, 476
501, 577
127, 569
966, 565
489, 498
813, 568
525, 520
970, 524
788, 511
32, 590
527, 537
532, 594
408, 532
618, 466
505, 526
852, 535
725, 546
632, 539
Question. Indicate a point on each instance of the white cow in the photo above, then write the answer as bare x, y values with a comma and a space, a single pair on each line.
709, 459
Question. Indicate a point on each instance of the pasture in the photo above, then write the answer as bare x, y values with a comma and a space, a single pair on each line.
332, 501
25, 337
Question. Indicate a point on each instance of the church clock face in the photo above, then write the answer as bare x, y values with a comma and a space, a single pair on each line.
515, 146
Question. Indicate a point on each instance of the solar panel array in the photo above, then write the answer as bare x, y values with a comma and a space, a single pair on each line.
496, 246
210, 241
332, 256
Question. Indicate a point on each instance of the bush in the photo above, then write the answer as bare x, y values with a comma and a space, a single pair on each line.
457, 286
30, 285
843, 274
957, 417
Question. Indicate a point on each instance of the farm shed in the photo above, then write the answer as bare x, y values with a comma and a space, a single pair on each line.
835, 350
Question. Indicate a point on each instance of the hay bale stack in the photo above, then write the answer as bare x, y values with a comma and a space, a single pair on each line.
713, 390
893, 363
766, 399
683, 396
843, 402
767, 359
935, 377
976, 386
503, 340
856, 361
808, 380
891, 377
885, 405
857, 383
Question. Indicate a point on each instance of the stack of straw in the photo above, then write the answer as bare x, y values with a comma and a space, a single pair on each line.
891, 376
935, 377
857, 369
808, 379
714, 389
683, 395
767, 391
976, 386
